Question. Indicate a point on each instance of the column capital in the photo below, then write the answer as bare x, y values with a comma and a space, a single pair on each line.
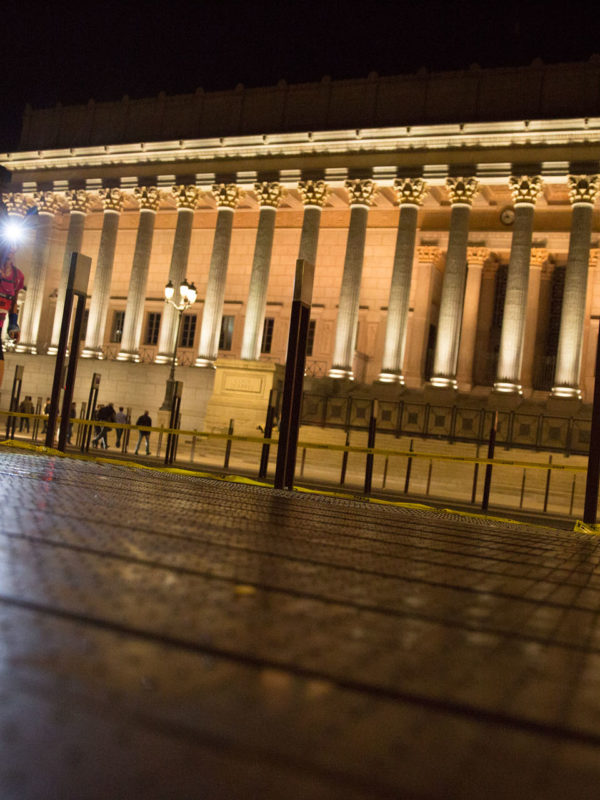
78, 200
187, 196
428, 254
583, 188
148, 197
525, 189
361, 191
112, 199
314, 193
46, 202
227, 195
410, 191
17, 203
462, 190
269, 193
539, 256
477, 256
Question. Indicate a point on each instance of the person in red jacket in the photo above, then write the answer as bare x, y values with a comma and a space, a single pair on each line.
11, 283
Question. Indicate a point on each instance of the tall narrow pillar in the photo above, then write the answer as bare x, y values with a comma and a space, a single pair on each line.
47, 206
148, 197
112, 200
78, 201
227, 196
410, 193
537, 262
187, 198
461, 191
583, 190
269, 196
428, 269
525, 191
361, 195
314, 195
476, 258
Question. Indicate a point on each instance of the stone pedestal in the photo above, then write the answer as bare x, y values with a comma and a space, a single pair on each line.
241, 392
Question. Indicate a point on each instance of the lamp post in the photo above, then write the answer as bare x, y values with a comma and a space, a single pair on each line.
188, 294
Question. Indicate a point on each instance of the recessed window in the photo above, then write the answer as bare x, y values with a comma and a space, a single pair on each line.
226, 337
116, 331
310, 337
267, 337
152, 326
188, 330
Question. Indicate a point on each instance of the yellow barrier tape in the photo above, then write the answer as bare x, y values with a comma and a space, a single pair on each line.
584, 527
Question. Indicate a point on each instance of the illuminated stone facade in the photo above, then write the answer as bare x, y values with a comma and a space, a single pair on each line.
460, 255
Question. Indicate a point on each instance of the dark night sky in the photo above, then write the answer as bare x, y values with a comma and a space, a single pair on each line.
70, 52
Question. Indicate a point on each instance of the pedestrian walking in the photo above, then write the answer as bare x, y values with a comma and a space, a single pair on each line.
144, 419
105, 414
26, 407
120, 417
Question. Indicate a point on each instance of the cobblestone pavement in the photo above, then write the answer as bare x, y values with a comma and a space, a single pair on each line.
170, 637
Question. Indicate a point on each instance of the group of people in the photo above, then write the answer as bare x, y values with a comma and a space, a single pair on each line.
107, 413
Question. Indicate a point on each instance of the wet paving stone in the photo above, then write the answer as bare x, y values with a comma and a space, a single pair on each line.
164, 636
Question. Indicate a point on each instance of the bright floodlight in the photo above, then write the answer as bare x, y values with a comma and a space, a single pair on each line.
13, 231
184, 288
192, 293
169, 289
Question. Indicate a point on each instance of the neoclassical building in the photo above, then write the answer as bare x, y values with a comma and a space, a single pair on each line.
452, 220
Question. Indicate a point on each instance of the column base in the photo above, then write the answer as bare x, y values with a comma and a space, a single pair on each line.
507, 387
23, 347
341, 373
208, 363
566, 392
163, 358
92, 352
124, 355
441, 382
391, 377
52, 350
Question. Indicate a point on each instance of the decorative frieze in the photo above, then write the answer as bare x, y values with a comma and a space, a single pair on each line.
227, 195
313, 193
148, 197
525, 188
361, 191
112, 199
410, 191
583, 188
187, 196
462, 190
269, 193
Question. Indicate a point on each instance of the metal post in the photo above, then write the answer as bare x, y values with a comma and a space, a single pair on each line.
91, 410
302, 462
590, 509
294, 376
370, 444
11, 422
36, 421
408, 467
475, 477
171, 447
228, 446
345, 460
385, 471
430, 470
548, 476
572, 495
71, 372
264, 455
488, 467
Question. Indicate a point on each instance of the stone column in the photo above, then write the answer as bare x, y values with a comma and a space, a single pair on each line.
461, 191
314, 194
427, 278
148, 197
539, 257
410, 194
17, 205
583, 190
525, 191
112, 200
227, 196
269, 196
79, 202
362, 193
187, 199
476, 257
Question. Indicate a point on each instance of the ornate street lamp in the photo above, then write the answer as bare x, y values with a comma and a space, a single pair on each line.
188, 294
